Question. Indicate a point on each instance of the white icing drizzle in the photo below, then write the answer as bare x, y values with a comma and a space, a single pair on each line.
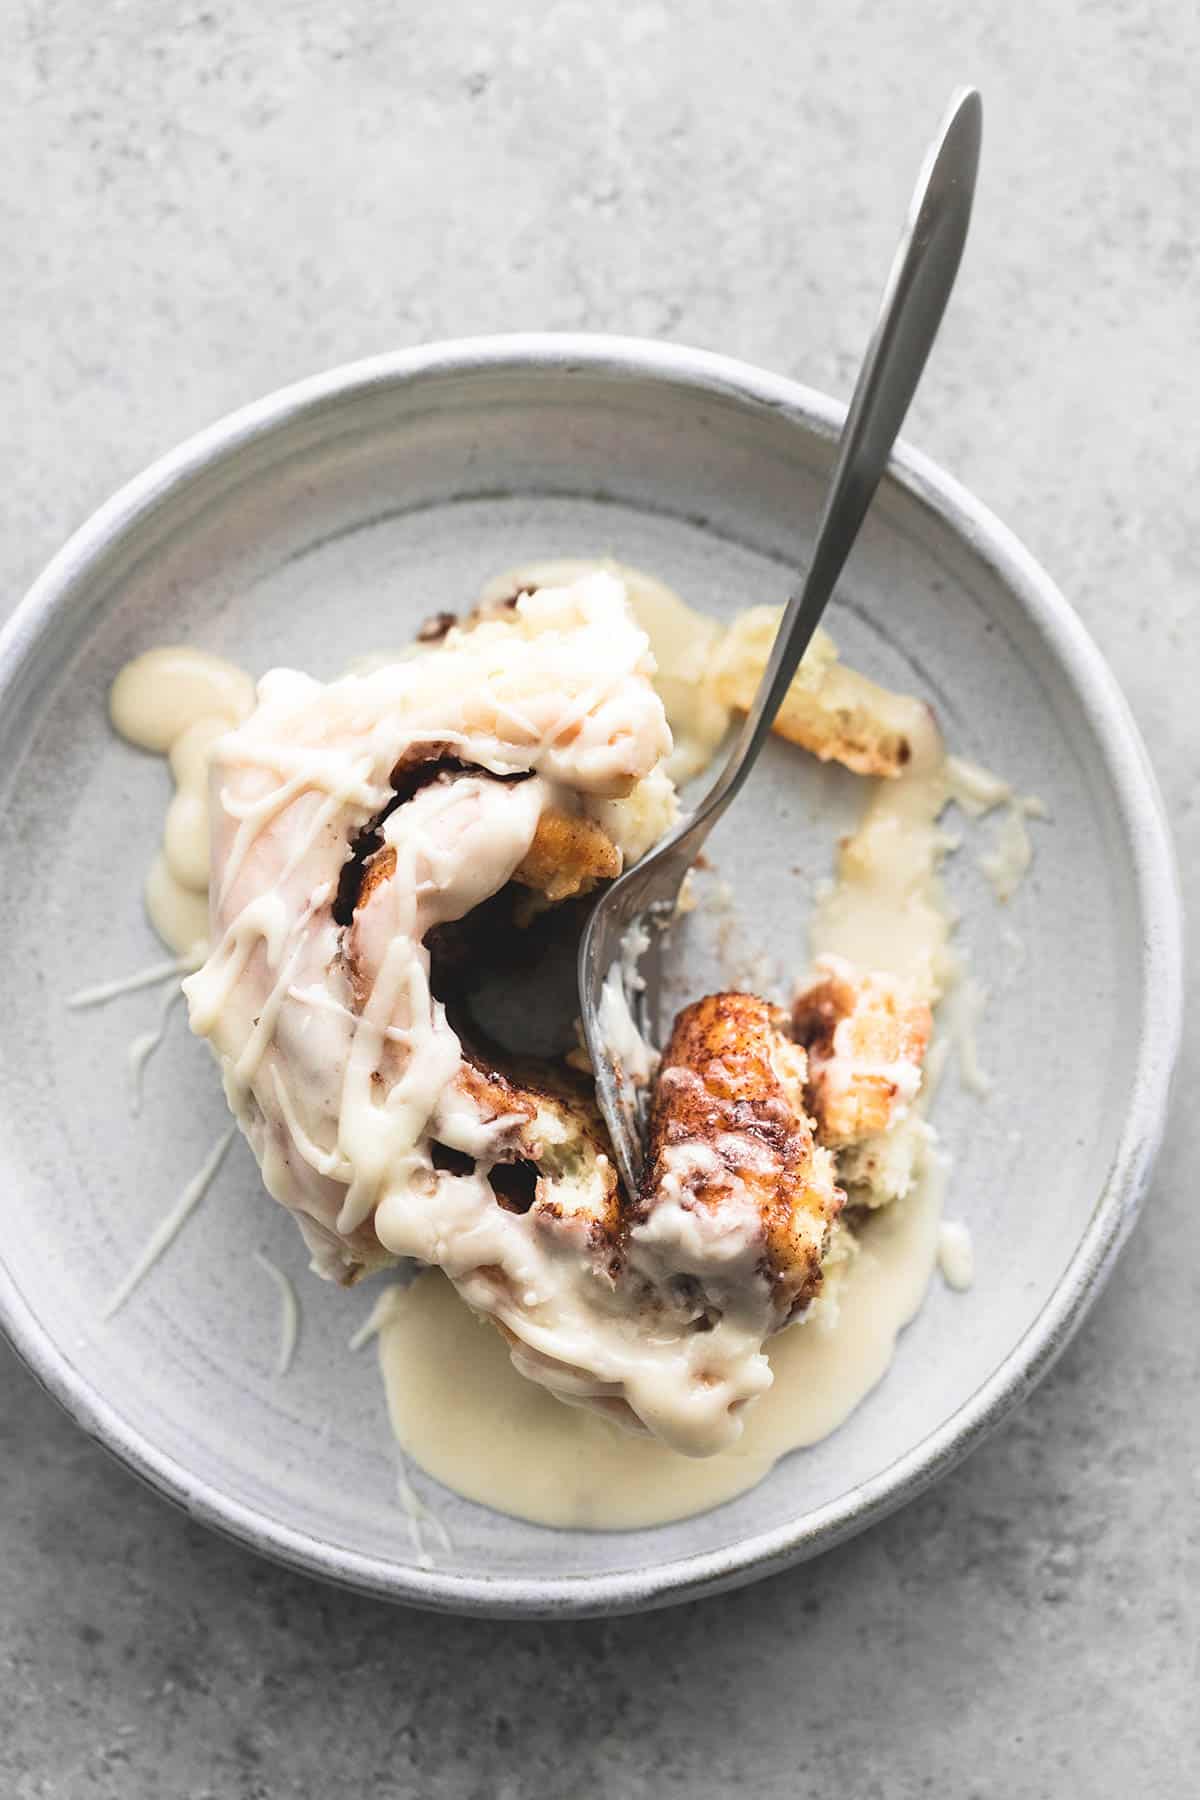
966, 1009
973, 787
169, 1227
956, 1255
419, 1516
375, 1319
104, 991
887, 910
682, 641
162, 693
142, 1048
1018, 956
936, 1058
978, 791
1006, 863
464, 1416
179, 916
629, 1050
289, 1312
179, 701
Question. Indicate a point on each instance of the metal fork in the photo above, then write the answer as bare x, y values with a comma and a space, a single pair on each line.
645, 898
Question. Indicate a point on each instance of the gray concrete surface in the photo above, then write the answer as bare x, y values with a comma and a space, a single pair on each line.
202, 202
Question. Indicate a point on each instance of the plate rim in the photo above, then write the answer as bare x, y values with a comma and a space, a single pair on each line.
1140, 808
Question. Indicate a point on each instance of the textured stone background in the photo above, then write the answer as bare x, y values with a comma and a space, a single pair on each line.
200, 203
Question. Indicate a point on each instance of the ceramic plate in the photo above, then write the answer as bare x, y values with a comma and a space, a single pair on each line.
330, 519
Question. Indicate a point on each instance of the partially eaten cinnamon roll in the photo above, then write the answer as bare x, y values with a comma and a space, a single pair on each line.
355, 824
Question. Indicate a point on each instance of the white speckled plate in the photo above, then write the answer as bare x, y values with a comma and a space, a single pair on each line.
330, 519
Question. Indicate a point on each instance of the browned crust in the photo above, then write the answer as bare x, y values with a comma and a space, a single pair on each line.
568, 856
846, 733
494, 1094
830, 710
379, 869
732, 1081
502, 1084
437, 626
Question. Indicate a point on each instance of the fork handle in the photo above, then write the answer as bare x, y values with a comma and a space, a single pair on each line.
914, 300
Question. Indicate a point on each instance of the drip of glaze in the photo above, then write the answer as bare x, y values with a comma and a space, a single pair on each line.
154, 976
966, 1010
169, 1227
956, 1255
289, 1312
977, 791
420, 1518
143, 1047
177, 701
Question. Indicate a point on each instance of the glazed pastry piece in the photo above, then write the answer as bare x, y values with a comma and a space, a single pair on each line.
569, 855
866, 1036
673, 1296
830, 710
733, 1162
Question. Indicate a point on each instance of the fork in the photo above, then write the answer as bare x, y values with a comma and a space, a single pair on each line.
618, 998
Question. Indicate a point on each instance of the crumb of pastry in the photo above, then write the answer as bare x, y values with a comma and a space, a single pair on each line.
830, 710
